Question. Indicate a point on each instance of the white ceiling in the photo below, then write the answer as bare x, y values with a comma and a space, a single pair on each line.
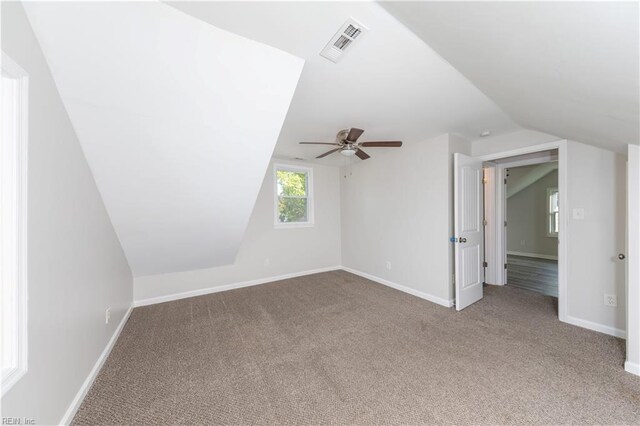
177, 119
389, 83
565, 68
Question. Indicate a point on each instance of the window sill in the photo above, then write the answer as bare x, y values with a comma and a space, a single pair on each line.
10, 377
292, 225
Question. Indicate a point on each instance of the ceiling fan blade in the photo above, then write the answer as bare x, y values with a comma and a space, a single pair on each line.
354, 134
382, 143
362, 155
320, 143
329, 152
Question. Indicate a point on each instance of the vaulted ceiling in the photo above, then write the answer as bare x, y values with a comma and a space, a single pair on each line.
564, 68
179, 106
390, 83
178, 121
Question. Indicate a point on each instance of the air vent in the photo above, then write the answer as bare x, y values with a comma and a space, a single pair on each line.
351, 31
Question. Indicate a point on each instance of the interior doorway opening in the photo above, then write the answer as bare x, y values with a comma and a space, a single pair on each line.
532, 227
522, 221
480, 215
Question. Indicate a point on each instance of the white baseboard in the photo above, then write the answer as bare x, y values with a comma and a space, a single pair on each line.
536, 255
632, 368
612, 331
77, 401
435, 299
216, 289
225, 287
82, 392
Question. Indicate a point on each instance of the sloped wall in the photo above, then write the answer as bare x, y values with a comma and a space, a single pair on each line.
76, 266
177, 118
265, 251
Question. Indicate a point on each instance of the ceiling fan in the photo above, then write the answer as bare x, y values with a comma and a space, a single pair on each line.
348, 145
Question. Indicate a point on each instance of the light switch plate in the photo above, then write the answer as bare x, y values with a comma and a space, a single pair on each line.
578, 213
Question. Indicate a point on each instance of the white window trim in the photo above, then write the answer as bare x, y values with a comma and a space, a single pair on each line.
550, 233
310, 216
13, 250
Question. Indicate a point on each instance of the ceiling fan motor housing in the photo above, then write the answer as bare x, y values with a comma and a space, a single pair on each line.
348, 145
342, 135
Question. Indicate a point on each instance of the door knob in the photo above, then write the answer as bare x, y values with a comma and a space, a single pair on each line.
621, 256
463, 240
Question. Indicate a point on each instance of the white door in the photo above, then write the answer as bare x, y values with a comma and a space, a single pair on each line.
469, 246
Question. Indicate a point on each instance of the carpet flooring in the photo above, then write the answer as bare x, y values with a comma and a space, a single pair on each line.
334, 348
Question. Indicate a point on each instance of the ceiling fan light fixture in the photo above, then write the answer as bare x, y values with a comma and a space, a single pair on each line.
348, 151
347, 144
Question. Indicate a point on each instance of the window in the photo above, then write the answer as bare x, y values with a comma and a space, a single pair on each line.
293, 196
13, 221
553, 212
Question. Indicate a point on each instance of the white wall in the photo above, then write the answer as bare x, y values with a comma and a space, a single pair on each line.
633, 260
265, 251
527, 215
395, 208
187, 113
596, 182
76, 267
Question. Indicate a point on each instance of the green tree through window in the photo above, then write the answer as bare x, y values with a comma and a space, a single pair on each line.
292, 192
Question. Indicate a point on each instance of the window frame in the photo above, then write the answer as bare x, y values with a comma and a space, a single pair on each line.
13, 249
551, 215
310, 204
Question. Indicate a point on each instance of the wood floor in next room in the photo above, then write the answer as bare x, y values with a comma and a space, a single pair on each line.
334, 348
531, 273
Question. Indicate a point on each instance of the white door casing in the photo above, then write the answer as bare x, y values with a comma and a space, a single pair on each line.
469, 243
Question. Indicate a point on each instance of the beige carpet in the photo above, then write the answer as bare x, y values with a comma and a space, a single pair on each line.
336, 348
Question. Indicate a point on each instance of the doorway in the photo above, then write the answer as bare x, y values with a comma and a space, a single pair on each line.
520, 262
524, 222
532, 225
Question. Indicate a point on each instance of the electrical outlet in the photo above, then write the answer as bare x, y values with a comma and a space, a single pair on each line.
578, 213
388, 265
610, 300
107, 316
523, 242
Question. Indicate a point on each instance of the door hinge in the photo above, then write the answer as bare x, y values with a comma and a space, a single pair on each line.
485, 264
485, 222
505, 266
505, 181
505, 223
